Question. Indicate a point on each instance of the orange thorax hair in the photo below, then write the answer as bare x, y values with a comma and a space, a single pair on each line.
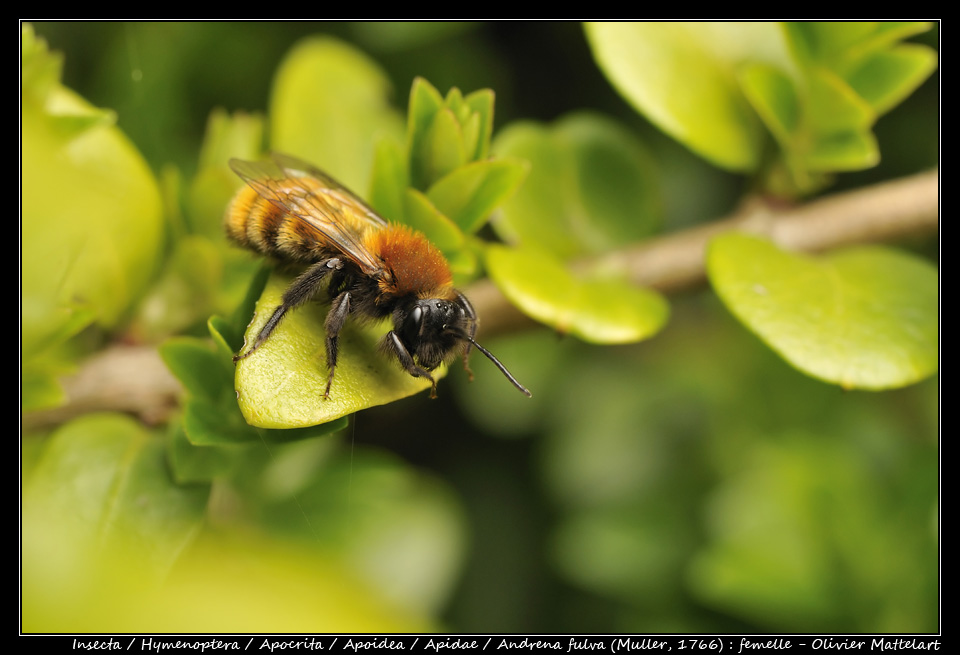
414, 265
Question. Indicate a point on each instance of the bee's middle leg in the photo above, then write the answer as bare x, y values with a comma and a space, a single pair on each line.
339, 309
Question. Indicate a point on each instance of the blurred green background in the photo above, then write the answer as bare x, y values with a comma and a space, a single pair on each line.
691, 483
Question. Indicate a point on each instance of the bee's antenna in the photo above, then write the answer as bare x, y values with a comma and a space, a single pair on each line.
503, 369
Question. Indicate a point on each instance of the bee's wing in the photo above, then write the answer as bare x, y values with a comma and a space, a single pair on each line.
338, 217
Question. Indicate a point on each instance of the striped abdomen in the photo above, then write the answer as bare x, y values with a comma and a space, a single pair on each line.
257, 224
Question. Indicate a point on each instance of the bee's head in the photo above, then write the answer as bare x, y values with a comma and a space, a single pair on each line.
434, 330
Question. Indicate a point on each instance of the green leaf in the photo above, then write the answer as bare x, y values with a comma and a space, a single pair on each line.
192, 463
281, 385
860, 318
198, 366
850, 150
102, 480
774, 97
92, 217
887, 78
454, 102
601, 311
41, 369
425, 103
682, 76
834, 106
400, 529
226, 136
209, 423
842, 45
481, 103
591, 187
187, 290
423, 216
804, 515
39, 387
282, 588
330, 105
390, 179
227, 339
470, 193
441, 151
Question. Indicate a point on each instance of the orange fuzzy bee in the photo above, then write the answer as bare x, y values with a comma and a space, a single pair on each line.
294, 212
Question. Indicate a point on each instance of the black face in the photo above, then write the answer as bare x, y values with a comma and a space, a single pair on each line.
433, 329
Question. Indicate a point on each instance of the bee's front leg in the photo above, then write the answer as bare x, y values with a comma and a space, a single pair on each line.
471, 315
394, 345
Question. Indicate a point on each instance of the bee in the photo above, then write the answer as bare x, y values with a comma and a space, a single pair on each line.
371, 269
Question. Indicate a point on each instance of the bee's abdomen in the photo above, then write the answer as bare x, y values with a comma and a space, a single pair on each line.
255, 223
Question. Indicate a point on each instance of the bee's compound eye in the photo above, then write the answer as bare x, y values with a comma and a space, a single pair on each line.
416, 316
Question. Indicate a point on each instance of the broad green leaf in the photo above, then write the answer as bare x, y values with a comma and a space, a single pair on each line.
454, 102
39, 388
241, 316
441, 151
827, 42
215, 423
425, 103
481, 102
860, 318
422, 215
465, 266
805, 515
92, 217
329, 106
198, 365
544, 211
226, 136
102, 480
599, 311
227, 339
842, 45
774, 97
400, 529
390, 179
470, 193
186, 292
887, 78
683, 77
818, 88
193, 463
221, 424
591, 187
231, 582
281, 385
850, 150
834, 106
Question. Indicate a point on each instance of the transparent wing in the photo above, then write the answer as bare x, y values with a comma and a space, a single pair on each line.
337, 216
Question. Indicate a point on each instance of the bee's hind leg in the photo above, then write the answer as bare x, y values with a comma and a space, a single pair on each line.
300, 291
